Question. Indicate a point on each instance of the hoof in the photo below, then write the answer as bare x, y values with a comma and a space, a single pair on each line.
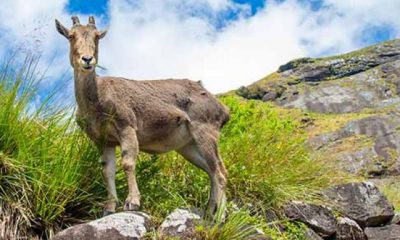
106, 213
131, 207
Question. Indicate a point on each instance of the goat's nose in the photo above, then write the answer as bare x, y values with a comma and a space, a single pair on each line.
87, 59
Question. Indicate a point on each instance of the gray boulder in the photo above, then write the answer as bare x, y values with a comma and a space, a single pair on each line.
309, 234
348, 229
318, 218
119, 226
396, 219
389, 232
362, 202
180, 223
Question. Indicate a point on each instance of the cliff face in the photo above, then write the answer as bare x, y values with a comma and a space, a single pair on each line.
350, 103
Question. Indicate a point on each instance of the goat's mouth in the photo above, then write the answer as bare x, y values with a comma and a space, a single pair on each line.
87, 67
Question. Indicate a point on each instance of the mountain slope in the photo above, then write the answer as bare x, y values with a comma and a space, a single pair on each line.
349, 105
367, 78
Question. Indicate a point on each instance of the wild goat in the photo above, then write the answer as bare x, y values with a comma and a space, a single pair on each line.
151, 116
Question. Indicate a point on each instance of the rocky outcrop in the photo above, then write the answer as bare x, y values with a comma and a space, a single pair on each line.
375, 159
390, 232
339, 84
362, 202
318, 218
180, 223
366, 214
348, 229
119, 226
363, 81
309, 234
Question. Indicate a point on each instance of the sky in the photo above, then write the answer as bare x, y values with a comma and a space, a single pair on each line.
224, 43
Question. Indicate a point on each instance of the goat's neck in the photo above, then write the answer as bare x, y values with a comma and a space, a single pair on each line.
85, 84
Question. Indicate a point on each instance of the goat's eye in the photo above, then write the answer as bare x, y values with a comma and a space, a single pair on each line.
71, 37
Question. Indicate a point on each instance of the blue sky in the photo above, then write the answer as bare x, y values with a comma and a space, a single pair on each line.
95, 7
224, 43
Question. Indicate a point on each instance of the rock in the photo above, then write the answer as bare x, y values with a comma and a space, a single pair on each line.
309, 234
314, 73
269, 96
294, 64
361, 202
396, 219
318, 218
180, 223
119, 226
324, 99
348, 229
376, 153
382, 129
368, 78
389, 232
342, 66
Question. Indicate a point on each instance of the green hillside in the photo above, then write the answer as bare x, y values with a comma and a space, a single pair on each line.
349, 106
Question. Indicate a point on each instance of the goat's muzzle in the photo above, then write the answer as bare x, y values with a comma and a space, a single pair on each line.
88, 62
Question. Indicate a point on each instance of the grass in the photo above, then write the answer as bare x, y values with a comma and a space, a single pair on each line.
50, 176
266, 156
391, 188
46, 164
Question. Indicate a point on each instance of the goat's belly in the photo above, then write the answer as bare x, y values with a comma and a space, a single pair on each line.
164, 141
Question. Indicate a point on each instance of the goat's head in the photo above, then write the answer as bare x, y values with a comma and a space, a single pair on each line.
84, 43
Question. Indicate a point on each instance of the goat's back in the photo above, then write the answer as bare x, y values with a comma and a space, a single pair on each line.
149, 97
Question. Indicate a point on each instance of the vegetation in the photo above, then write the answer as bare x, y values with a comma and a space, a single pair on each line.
50, 176
390, 188
48, 171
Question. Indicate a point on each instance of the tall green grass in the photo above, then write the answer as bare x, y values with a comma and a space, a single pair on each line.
50, 176
48, 169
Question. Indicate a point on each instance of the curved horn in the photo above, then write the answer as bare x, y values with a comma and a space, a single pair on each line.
91, 21
75, 20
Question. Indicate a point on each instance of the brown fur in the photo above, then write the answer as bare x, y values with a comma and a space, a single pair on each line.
151, 116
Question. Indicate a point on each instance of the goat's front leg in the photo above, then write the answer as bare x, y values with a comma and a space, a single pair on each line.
108, 162
129, 151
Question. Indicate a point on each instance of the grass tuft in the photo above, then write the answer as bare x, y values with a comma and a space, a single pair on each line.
46, 164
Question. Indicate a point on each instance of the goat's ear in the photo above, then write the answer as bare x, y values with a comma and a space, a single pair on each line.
101, 34
62, 30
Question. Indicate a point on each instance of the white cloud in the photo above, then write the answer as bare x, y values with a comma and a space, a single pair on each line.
151, 39
147, 42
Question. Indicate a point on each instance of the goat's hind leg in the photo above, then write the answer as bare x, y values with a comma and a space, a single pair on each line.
129, 152
108, 161
203, 153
